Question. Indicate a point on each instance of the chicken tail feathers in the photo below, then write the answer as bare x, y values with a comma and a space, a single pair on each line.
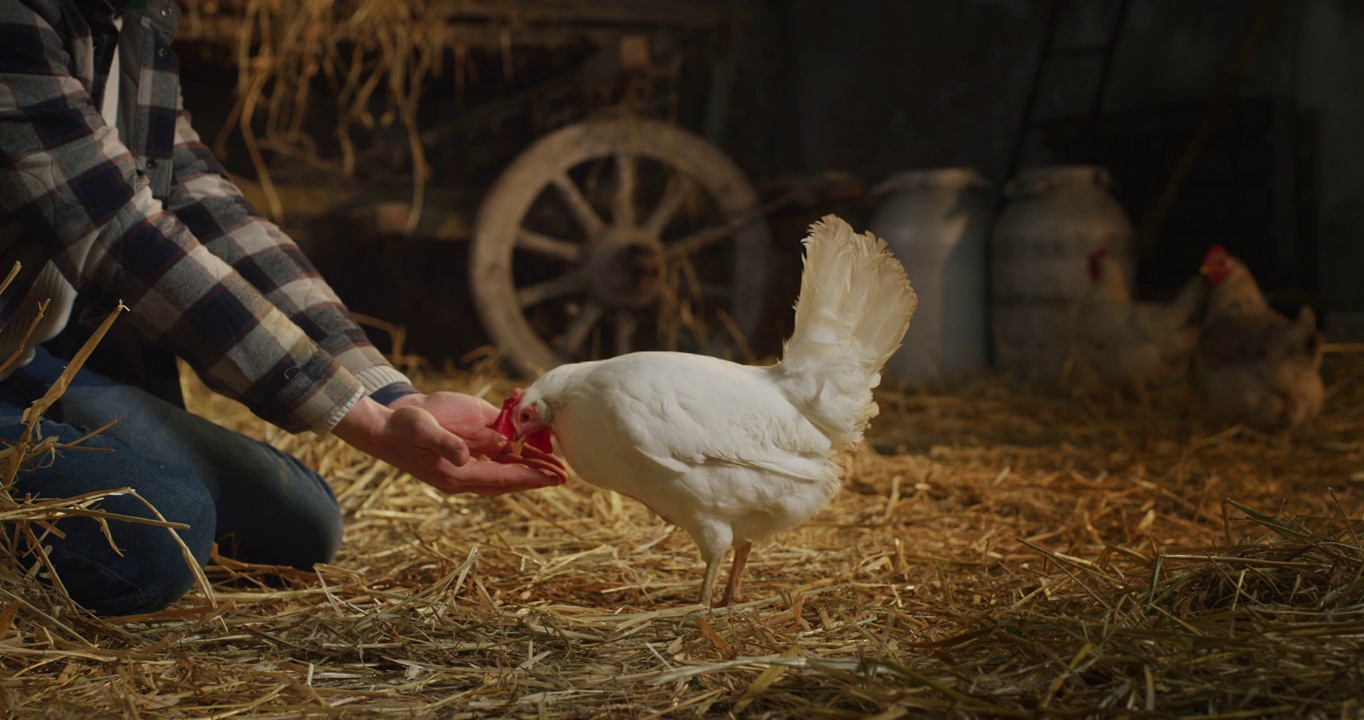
854, 308
1188, 306
1300, 337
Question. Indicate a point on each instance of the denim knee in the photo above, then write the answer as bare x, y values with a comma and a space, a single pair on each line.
271, 509
298, 525
149, 569
152, 571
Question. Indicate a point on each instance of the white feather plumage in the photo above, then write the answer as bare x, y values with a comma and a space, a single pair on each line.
730, 453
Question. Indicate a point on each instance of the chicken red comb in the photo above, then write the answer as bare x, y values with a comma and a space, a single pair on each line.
503, 423
1215, 251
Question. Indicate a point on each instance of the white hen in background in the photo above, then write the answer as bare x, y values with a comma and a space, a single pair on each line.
1131, 346
733, 453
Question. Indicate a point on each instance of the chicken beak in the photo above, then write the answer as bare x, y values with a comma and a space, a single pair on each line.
1204, 270
539, 439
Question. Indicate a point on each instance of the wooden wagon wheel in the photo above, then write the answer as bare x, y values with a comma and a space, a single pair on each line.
619, 234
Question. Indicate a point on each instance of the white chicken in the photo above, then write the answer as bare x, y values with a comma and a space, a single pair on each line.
1132, 346
731, 453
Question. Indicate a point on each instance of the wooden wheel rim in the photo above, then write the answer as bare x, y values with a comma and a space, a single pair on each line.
512, 195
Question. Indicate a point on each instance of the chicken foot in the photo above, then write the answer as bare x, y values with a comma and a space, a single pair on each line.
736, 574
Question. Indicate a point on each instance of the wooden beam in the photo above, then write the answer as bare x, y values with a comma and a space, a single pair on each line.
494, 24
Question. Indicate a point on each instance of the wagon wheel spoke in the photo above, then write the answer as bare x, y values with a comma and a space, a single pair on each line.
673, 195
706, 237
565, 284
547, 245
626, 322
703, 238
578, 204
579, 329
623, 211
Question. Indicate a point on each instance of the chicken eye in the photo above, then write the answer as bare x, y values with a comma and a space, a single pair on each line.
525, 416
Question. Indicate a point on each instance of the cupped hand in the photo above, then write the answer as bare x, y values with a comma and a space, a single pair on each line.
464, 415
505, 474
412, 439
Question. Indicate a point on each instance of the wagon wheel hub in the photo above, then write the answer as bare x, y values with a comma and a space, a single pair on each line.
625, 268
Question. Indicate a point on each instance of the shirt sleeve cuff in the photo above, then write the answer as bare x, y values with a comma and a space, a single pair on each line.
330, 422
388, 393
380, 376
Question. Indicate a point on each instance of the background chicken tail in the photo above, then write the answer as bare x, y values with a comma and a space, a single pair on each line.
1188, 306
854, 308
1297, 338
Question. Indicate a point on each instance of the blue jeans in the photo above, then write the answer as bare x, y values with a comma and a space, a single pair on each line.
260, 504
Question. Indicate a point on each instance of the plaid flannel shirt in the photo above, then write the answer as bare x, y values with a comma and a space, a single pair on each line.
151, 219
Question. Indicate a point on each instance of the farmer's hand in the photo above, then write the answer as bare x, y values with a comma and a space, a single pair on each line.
411, 439
464, 415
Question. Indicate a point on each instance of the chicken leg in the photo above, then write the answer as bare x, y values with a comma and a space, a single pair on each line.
708, 584
736, 575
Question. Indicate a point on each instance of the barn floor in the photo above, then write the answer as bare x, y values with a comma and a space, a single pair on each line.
997, 554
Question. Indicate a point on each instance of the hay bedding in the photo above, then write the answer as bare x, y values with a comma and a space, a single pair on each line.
1003, 555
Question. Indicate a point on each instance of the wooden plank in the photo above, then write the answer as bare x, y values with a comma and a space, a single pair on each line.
678, 13
223, 30
495, 24
446, 215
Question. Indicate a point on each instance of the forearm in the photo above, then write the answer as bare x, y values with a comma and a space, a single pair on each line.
213, 207
73, 189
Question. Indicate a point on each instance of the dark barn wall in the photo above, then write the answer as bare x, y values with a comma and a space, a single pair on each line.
1331, 81
874, 87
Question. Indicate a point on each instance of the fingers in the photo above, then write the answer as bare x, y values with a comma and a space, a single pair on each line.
427, 434
467, 405
545, 462
453, 469
491, 477
551, 468
529, 451
486, 441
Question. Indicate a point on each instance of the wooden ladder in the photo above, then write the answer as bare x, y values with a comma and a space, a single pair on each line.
1052, 53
